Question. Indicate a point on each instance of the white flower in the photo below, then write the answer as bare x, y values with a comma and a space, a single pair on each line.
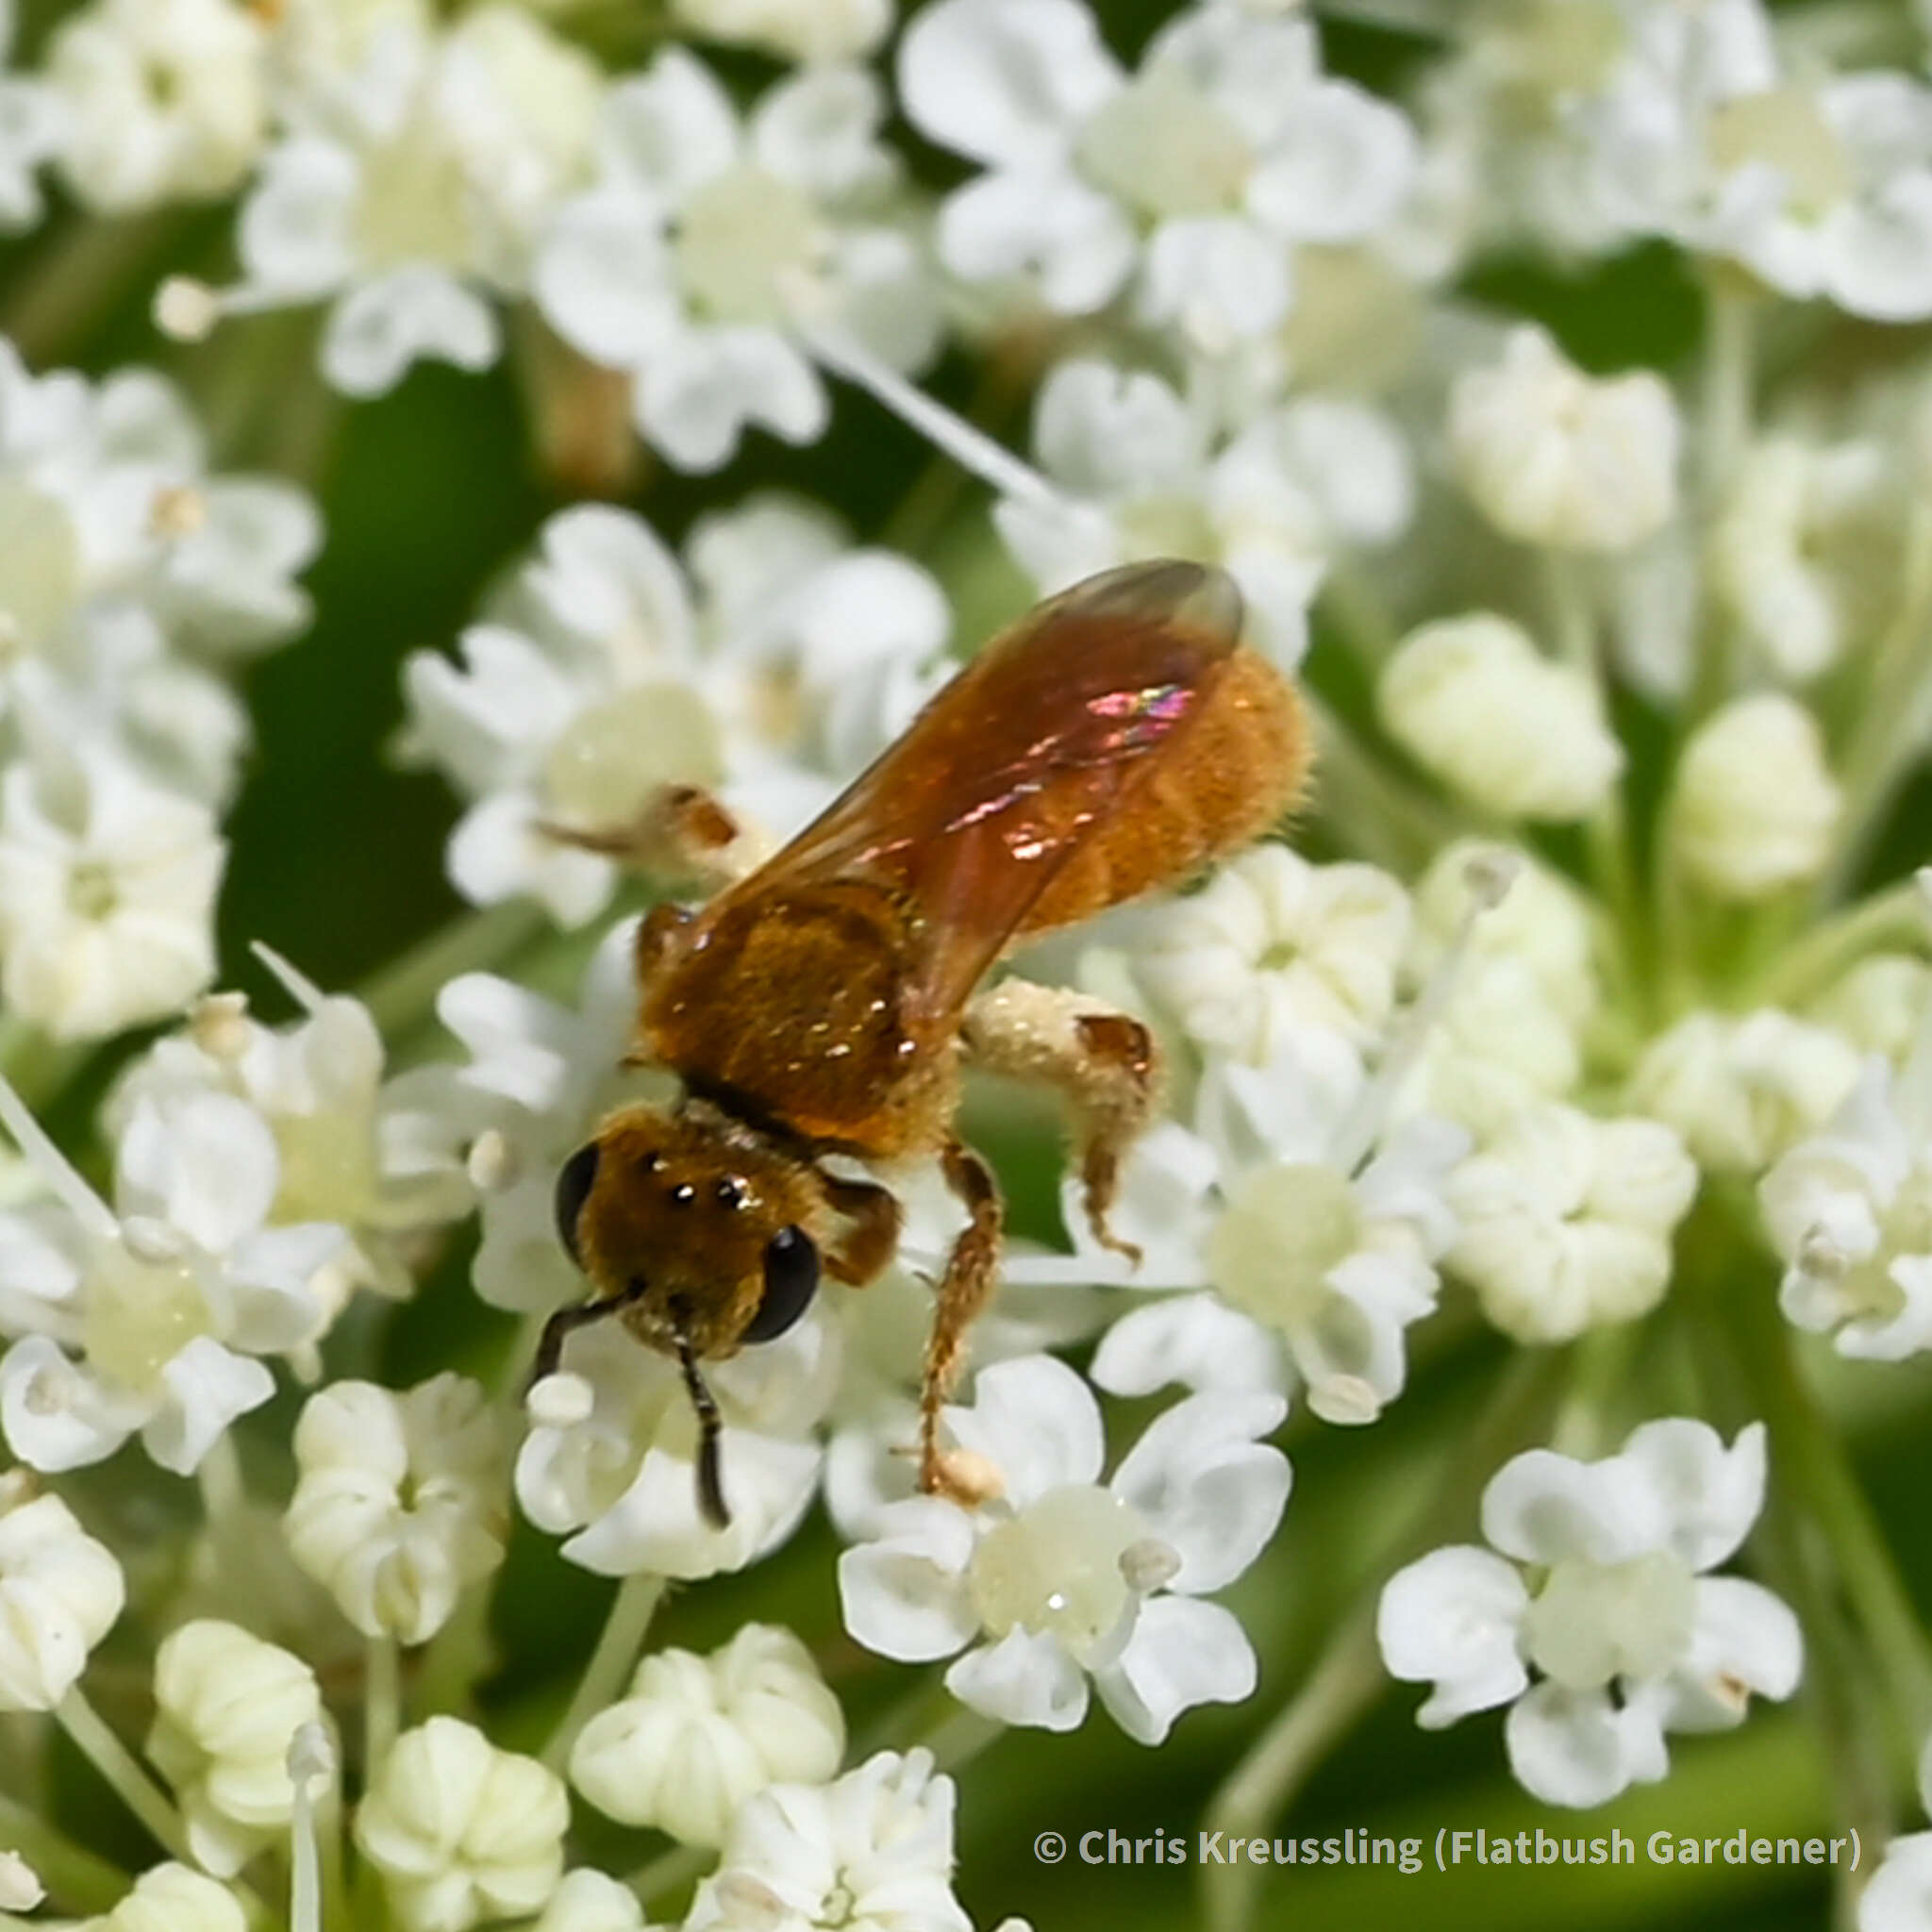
1276, 947
1319, 1274
1272, 500
59, 1594
461, 1831
168, 1301
1627, 1637
1566, 1219
398, 1503
1510, 1033
1059, 1579
871, 1851
1474, 701
31, 127
1743, 1089
1793, 553
1755, 807
797, 29
1850, 1213
1879, 1005
172, 1898
587, 1901
705, 237
1818, 184
622, 1479
695, 1737
226, 1707
161, 99
380, 1160
106, 896
417, 187
1552, 456
1898, 1896
1198, 177
127, 567
772, 668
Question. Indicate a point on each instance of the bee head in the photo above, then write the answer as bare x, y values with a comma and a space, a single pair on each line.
695, 1234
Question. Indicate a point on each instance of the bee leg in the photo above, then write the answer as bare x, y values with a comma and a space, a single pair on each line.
962, 1292
565, 1322
1103, 1062
868, 1242
682, 832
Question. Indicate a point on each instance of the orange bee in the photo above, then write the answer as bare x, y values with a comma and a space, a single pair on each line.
1115, 740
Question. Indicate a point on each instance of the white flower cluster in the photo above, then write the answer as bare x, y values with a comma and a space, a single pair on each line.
261, 1175
1627, 1637
130, 579
772, 663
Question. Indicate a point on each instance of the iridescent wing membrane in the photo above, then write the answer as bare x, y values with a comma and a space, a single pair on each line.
972, 813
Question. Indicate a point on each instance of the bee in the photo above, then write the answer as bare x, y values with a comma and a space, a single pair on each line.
1116, 739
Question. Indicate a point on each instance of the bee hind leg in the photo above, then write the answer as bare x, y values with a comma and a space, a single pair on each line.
682, 832
963, 1292
1103, 1062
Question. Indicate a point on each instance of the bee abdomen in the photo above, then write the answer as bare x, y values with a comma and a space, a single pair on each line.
1241, 764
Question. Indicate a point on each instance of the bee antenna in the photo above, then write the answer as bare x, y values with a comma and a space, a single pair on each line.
710, 1468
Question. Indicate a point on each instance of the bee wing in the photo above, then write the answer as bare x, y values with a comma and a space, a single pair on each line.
990, 791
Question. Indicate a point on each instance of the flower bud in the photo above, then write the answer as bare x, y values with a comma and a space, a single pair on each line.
1473, 700
60, 1594
172, 1898
1553, 456
461, 1831
1755, 804
698, 1736
227, 1706
399, 1504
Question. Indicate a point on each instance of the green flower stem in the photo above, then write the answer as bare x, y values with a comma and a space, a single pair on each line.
90, 269
1838, 1514
1347, 1679
1335, 1695
1893, 718
1858, 1695
81, 1881
123, 1772
612, 1662
1729, 380
1809, 964
382, 1701
402, 996
39, 1067
1388, 822
1606, 831
669, 1875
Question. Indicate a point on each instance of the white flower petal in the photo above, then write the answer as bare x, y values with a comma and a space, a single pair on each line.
1453, 1617
1036, 1422
1710, 1494
903, 1594
1022, 1679
1182, 1652
1206, 1486
1194, 1340
1004, 81
1576, 1748
379, 328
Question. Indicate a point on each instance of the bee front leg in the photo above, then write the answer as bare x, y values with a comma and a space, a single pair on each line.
682, 832
1103, 1062
872, 1234
963, 1292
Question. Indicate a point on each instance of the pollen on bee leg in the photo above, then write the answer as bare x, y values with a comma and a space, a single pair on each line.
968, 1478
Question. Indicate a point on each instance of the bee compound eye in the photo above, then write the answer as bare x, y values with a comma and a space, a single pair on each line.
792, 1276
574, 1180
